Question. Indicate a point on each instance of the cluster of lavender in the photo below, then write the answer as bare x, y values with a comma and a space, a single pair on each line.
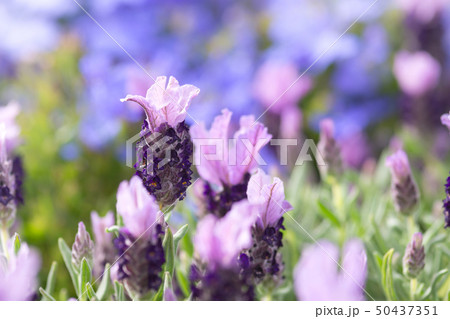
445, 119
19, 264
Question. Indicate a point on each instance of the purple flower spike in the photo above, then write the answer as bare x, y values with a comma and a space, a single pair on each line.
317, 277
165, 104
263, 259
445, 120
104, 251
404, 189
329, 149
446, 203
83, 247
416, 73
8, 184
18, 276
140, 241
218, 243
164, 150
414, 258
225, 164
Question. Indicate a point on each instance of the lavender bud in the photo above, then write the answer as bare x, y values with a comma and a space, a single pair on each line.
164, 161
83, 247
329, 149
446, 203
414, 258
404, 189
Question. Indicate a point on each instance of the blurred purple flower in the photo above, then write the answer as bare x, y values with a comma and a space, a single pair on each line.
355, 149
219, 241
165, 104
215, 143
138, 208
8, 116
104, 251
422, 11
414, 258
318, 278
445, 119
329, 148
274, 83
416, 73
18, 275
268, 197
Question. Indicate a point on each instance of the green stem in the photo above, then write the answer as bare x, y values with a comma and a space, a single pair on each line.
413, 288
411, 226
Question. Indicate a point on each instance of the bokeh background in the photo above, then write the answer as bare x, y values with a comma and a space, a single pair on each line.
68, 73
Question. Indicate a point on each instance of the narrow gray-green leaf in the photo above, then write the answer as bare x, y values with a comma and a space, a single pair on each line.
434, 281
85, 277
105, 284
16, 243
90, 292
179, 235
46, 295
169, 251
167, 285
387, 279
50, 286
118, 291
66, 254
328, 214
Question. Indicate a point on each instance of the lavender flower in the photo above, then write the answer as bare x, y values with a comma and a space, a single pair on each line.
263, 259
404, 189
139, 244
422, 11
7, 183
445, 119
329, 149
446, 203
318, 278
8, 116
218, 243
414, 258
225, 164
104, 251
83, 247
18, 274
165, 149
417, 73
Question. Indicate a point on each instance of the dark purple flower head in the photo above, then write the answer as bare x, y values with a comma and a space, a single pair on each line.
7, 183
446, 203
414, 258
139, 244
164, 150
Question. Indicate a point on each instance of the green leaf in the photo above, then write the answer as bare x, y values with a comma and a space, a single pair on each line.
169, 251
386, 276
113, 229
85, 277
182, 281
434, 281
179, 235
51, 280
167, 216
46, 296
167, 284
118, 291
159, 294
105, 284
66, 254
16, 243
90, 292
325, 212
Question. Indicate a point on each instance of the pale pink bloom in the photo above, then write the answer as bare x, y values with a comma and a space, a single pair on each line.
220, 163
317, 276
139, 210
423, 11
18, 275
165, 104
280, 82
8, 116
219, 241
399, 165
417, 73
267, 195
445, 119
290, 122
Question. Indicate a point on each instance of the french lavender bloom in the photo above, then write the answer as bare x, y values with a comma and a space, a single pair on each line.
417, 73
445, 120
317, 277
104, 250
225, 163
329, 149
164, 151
414, 258
83, 247
263, 259
18, 274
422, 11
446, 203
218, 243
139, 244
404, 189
